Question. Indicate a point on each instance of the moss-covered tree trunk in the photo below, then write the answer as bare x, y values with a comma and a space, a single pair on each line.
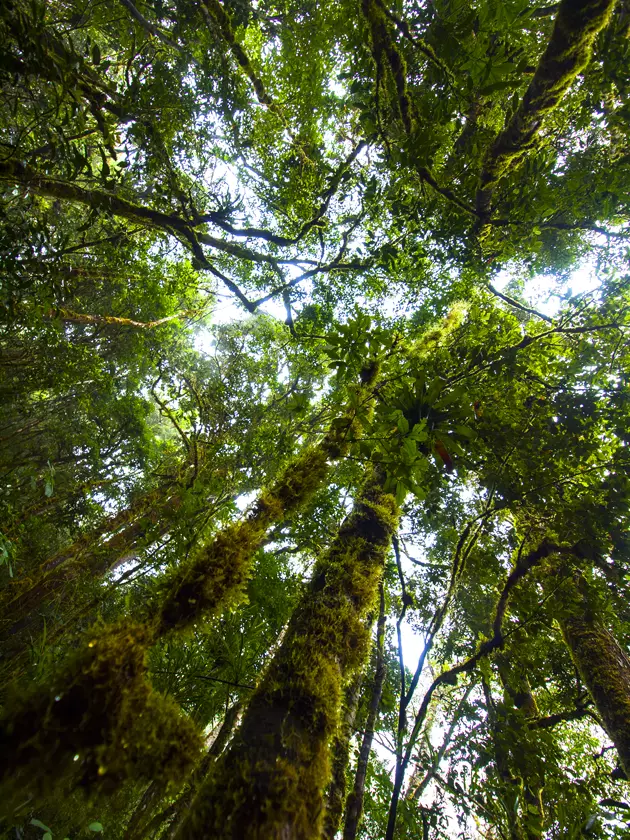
216, 577
340, 758
212, 581
354, 803
271, 781
601, 662
182, 804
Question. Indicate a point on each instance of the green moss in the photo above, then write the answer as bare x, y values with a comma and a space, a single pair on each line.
270, 783
568, 52
386, 53
98, 722
216, 578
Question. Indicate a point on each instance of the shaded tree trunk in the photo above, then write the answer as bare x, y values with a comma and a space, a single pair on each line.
270, 782
340, 760
354, 803
181, 805
601, 662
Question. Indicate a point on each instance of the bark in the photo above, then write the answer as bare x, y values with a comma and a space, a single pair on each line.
601, 662
568, 52
354, 803
181, 806
271, 780
340, 760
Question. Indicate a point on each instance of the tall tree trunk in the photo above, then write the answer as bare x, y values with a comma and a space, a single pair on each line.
181, 806
354, 803
601, 662
340, 759
270, 783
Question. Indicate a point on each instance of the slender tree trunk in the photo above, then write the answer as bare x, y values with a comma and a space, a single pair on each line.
519, 743
340, 760
181, 806
143, 809
354, 803
270, 782
148, 517
510, 786
601, 662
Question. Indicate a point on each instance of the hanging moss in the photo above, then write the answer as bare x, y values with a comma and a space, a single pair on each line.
568, 52
270, 782
97, 723
601, 662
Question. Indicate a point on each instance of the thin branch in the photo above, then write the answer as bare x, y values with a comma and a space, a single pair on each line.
518, 305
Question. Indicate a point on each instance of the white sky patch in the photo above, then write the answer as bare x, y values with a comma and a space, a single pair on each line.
546, 294
244, 501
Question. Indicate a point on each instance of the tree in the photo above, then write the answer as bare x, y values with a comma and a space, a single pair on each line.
197, 515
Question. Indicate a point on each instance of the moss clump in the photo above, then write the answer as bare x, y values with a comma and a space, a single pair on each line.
271, 781
98, 722
568, 52
216, 578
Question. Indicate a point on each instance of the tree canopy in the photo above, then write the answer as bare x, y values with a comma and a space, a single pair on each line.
315, 419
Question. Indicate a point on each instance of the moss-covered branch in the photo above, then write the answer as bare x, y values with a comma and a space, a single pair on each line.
270, 782
216, 577
15, 172
568, 53
98, 723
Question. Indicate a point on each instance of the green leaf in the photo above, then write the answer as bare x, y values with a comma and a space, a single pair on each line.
96, 54
39, 824
95, 826
465, 431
